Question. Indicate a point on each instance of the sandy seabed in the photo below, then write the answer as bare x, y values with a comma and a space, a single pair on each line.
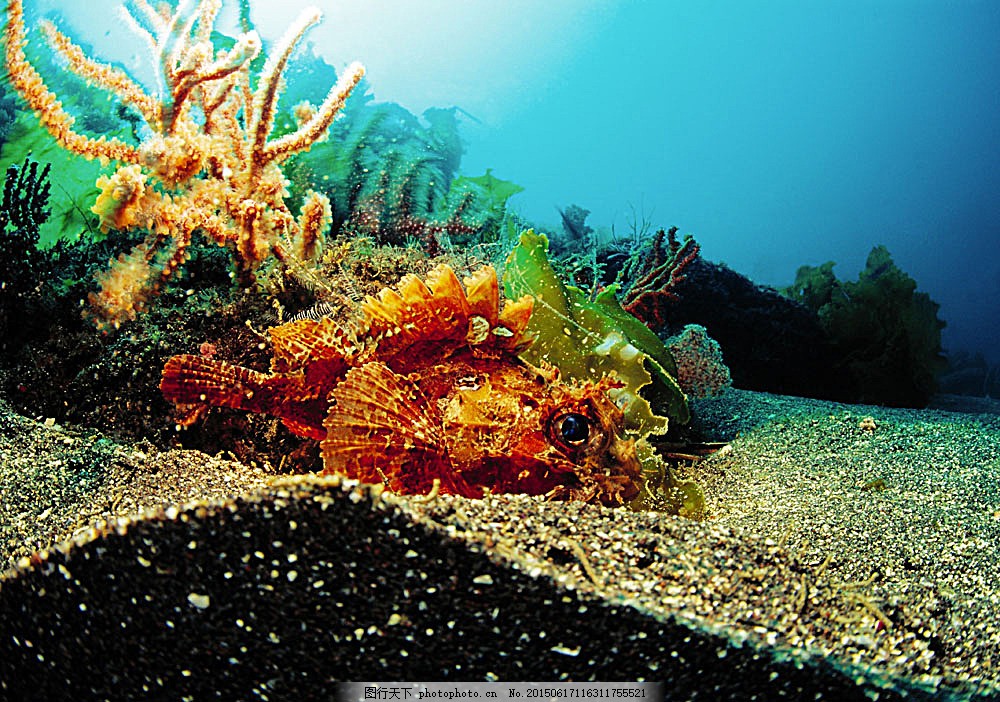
849, 552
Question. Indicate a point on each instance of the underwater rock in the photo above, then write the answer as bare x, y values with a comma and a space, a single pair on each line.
771, 343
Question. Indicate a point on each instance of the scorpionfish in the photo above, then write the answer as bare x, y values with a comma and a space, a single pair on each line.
426, 385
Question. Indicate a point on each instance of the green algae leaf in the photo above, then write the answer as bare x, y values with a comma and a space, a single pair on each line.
491, 195
497, 189
663, 491
638, 333
587, 339
664, 390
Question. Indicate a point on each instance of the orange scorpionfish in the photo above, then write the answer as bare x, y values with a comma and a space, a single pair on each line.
428, 385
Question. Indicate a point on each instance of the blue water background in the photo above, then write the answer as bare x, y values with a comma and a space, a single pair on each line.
778, 133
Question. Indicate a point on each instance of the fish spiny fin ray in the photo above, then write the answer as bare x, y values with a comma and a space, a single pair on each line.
483, 291
190, 380
297, 344
382, 429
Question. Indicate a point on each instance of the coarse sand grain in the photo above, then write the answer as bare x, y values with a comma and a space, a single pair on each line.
849, 552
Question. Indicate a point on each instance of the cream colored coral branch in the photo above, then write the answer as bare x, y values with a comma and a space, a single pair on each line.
207, 166
45, 104
265, 99
104, 76
314, 128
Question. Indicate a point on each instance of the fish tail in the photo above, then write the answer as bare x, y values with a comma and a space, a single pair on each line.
191, 380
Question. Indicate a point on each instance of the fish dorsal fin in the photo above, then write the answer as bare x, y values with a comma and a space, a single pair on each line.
442, 313
382, 429
302, 342
451, 306
483, 291
437, 311
510, 330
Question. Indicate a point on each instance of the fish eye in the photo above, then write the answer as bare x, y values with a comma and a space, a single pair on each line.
573, 428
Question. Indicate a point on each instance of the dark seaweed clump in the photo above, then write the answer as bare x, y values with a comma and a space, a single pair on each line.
22, 210
886, 336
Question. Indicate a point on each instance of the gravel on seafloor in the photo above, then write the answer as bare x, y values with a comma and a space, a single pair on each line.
849, 551
56, 481
905, 501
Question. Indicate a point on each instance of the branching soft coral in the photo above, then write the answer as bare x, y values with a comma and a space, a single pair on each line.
652, 273
208, 165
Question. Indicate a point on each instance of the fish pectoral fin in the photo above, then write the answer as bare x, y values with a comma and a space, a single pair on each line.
381, 429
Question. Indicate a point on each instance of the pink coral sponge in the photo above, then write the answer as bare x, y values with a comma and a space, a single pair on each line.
701, 371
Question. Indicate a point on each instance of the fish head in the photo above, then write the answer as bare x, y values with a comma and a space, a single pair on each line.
512, 431
584, 427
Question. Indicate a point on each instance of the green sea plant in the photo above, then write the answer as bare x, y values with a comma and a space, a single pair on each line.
392, 176
587, 338
887, 335
577, 253
488, 196
663, 490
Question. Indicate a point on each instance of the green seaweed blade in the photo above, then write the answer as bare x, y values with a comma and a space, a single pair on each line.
587, 339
